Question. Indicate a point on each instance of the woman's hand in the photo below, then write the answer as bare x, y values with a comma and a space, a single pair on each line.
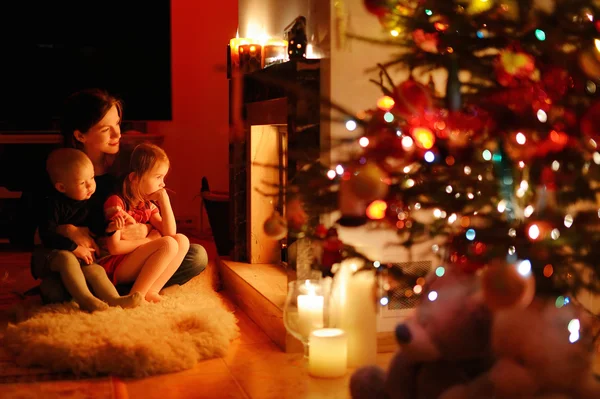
154, 234
79, 235
85, 254
136, 231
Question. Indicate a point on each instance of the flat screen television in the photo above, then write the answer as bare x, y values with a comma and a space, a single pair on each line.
49, 49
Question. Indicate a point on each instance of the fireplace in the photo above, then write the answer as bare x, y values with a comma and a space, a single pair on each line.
273, 112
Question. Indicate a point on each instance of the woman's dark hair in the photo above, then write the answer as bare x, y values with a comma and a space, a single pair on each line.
84, 109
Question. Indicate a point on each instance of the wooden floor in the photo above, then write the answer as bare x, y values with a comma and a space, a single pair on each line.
254, 367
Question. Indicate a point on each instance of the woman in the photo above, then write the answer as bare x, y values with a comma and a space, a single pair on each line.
91, 123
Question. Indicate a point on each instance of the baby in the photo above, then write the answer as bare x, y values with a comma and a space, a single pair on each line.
72, 175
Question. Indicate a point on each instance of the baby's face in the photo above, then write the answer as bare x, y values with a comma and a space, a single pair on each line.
80, 184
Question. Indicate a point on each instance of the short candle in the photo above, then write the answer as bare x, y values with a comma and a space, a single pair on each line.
327, 353
310, 313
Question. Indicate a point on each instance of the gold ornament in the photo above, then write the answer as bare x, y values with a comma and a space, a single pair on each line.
368, 183
508, 285
275, 226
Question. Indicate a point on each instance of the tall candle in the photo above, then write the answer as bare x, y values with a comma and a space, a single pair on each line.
360, 319
356, 312
310, 313
327, 353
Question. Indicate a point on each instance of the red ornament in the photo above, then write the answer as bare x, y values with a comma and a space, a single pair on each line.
377, 7
295, 214
556, 81
548, 179
321, 231
468, 256
513, 65
426, 41
332, 251
412, 99
590, 122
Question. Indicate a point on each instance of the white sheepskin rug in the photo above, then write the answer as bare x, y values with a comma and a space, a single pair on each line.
189, 325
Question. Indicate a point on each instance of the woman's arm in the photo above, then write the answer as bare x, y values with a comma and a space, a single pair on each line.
118, 246
79, 235
165, 220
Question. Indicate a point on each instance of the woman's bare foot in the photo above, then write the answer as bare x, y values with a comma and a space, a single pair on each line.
92, 304
127, 301
153, 297
170, 290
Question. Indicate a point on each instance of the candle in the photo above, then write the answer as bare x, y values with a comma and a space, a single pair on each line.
327, 353
353, 309
274, 51
359, 319
250, 57
310, 313
234, 45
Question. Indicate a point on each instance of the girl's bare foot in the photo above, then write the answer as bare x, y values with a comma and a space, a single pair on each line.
153, 297
127, 301
92, 304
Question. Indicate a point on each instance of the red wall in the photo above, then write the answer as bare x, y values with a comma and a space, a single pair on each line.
197, 137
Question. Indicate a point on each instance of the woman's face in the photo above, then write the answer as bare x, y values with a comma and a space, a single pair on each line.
104, 136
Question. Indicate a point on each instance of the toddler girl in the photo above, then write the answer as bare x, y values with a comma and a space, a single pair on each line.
151, 261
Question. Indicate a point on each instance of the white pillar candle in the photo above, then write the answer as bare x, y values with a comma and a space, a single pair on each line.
359, 319
327, 353
310, 313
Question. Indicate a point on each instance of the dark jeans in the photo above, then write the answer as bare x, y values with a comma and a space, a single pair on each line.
53, 291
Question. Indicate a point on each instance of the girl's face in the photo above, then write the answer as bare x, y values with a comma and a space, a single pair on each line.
104, 136
154, 180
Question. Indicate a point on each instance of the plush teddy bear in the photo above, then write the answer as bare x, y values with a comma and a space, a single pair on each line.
445, 343
541, 352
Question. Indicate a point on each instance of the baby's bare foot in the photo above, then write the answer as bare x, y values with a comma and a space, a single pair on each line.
92, 304
127, 301
153, 297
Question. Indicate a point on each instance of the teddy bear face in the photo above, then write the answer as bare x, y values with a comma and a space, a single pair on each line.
451, 322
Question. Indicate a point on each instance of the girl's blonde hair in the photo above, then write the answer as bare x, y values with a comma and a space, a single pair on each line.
143, 159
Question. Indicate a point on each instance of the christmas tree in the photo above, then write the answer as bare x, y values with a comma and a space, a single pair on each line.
502, 162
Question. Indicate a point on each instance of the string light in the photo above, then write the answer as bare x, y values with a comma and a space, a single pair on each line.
363, 142
440, 271
385, 103
429, 156
524, 268
528, 211
388, 117
331, 174
568, 221
407, 142
339, 169
432, 296
534, 232
351, 125
574, 327
542, 116
540, 35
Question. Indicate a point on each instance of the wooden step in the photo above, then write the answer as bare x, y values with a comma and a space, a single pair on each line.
260, 291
